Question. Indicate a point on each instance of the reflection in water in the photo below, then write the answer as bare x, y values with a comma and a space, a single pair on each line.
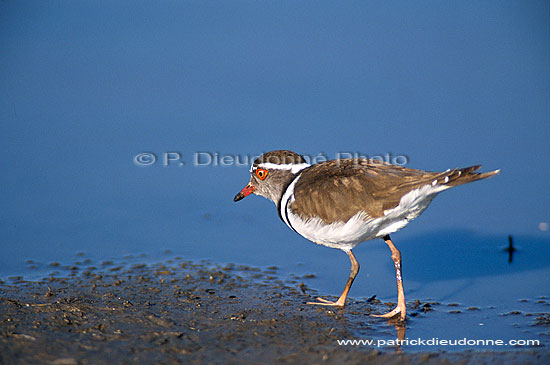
510, 249
400, 329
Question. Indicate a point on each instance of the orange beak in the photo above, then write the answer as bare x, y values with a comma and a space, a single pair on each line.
247, 190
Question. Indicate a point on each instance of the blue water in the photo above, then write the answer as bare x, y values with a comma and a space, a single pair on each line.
85, 89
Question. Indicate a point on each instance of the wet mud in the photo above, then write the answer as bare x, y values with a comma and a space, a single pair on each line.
203, 313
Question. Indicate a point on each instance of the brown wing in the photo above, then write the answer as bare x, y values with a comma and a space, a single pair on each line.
336, 190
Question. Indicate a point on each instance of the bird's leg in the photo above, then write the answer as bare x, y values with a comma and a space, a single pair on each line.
342, 300
401, 308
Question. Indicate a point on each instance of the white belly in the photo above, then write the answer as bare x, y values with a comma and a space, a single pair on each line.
360, 227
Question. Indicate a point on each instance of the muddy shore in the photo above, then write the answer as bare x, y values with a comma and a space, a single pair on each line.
199, 313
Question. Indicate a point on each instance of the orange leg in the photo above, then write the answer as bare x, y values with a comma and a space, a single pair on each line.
342, 300
401, 308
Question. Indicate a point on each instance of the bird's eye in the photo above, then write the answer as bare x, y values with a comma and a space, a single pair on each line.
261, 173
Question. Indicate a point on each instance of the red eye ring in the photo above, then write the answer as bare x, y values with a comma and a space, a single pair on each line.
261, 174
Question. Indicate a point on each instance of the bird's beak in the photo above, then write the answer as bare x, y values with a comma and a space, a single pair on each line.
247, 190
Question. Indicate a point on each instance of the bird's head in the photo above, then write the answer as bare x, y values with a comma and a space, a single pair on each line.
271, 173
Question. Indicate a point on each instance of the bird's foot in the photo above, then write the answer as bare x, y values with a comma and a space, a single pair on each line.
339, 303
397, 310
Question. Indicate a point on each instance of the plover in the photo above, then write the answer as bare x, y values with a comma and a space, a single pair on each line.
341, 203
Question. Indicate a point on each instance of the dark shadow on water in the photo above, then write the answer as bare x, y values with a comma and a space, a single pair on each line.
448, 255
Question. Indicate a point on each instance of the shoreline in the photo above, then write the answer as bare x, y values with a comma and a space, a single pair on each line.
198, 313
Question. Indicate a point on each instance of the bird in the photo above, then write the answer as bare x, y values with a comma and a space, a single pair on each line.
341, 203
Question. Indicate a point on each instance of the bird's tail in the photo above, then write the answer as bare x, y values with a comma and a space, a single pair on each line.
465, 175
